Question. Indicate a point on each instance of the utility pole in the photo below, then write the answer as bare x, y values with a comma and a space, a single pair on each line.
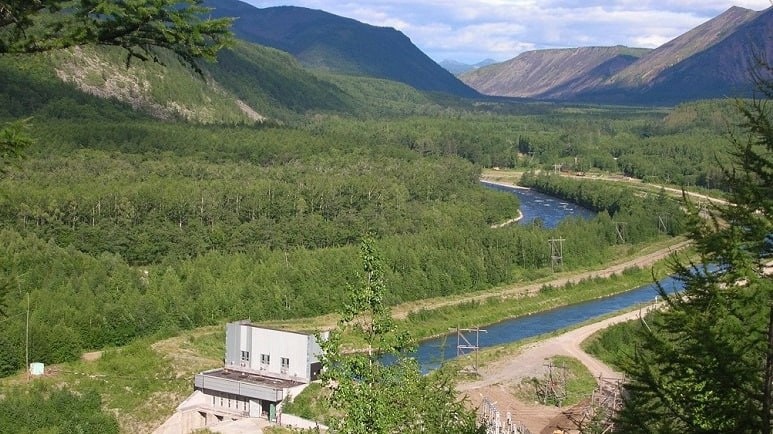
663, 223
27, 340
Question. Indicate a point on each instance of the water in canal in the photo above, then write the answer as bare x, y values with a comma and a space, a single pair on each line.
432, 353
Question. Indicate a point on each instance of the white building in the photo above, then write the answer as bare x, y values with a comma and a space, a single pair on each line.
274, 353
262, 366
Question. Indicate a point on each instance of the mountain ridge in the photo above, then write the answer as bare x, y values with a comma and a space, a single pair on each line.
322, 40
534, 73
712, 60
683, 46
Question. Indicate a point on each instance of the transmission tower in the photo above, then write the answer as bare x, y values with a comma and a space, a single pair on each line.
556, 253
620, 227
464, 346
552, 389
663, 223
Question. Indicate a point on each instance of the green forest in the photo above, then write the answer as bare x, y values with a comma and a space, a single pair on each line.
121, 229
164, 207
117, 225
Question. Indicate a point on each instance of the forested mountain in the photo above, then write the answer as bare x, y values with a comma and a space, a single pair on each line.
322, 40
712, 60
249, 83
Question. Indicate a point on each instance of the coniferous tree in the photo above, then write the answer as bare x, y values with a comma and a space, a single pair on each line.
140, 27
705, 363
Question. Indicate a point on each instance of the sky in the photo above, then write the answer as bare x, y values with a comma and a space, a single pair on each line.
473, 30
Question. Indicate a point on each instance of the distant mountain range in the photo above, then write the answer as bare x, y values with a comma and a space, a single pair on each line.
322, 63
712, 60
552, 74
455, 67
322, 40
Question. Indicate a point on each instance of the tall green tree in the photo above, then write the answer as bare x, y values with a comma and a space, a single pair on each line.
705, 364
381, 389
14, 138
138, 26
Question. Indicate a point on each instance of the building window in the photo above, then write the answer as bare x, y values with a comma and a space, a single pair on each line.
265, 359
245, 356
285, 364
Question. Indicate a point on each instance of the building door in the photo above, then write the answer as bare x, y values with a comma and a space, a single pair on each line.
256, 408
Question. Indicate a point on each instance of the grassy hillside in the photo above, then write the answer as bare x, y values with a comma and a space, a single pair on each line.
165, 90
274, 83
248, 84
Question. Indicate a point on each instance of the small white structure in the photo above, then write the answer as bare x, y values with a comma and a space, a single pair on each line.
37, 369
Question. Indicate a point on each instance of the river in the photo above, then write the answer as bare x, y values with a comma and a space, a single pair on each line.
431, 353
535, 205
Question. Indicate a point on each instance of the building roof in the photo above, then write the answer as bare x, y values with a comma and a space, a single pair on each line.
251, 378
258, 326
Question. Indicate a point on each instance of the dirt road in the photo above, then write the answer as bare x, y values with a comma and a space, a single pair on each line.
498, 379
528, 363
401, 311
504, 179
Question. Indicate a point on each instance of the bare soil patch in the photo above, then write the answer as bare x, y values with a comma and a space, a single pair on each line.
499, 380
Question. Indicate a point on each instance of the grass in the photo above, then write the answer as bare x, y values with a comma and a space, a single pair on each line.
427, 323
141, 383
310, 404
578, 383
211, 345
613, 345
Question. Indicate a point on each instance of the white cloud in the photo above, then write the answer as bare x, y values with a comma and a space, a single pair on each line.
472, 30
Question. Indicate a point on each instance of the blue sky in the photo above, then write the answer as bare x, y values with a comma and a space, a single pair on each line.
473, 30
